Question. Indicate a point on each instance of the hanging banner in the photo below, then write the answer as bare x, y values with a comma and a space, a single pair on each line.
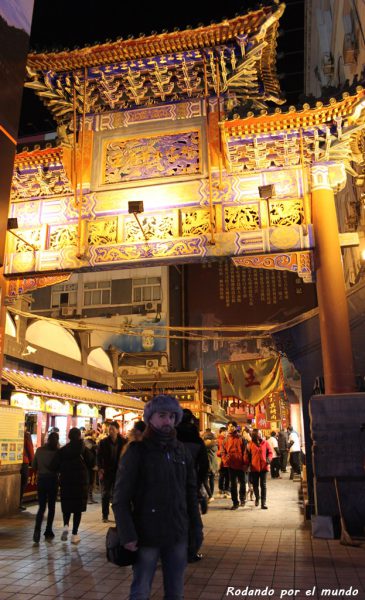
273, 407
250, 380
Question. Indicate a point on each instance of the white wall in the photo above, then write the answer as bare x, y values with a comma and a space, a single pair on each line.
53, 337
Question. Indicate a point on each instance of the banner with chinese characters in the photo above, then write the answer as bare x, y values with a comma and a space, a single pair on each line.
239, 408
237, 295
250, 380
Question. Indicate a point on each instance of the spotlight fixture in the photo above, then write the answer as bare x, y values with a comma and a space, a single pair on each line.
135, 207
13, 224
267, 191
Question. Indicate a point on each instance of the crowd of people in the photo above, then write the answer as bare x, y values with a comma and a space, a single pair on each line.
159, 481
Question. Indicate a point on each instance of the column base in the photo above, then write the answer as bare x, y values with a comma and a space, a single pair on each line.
338, 453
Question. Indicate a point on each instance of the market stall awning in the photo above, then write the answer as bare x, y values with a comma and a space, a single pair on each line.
63, 390
161, 381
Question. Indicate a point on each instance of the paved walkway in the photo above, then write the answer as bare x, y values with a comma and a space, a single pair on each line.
271, 553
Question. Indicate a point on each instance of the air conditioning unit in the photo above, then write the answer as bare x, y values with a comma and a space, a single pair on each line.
327, 63
153, 306
152, 363
66, 311
350, 50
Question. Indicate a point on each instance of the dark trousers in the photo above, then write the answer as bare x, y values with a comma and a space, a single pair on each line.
173, 563
283, 460
294, 459
259, 477
275, 467
107, 486
47, 493
234, 475
76, 521
24, 472
223, 479
209, 484
91, 483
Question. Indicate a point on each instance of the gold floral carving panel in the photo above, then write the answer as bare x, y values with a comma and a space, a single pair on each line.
103, 232
32, 236
143, 158
284, 213
195, 222
155, 227
246, 218
42, 181
62, 237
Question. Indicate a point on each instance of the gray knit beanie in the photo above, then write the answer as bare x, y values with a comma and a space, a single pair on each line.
163, 403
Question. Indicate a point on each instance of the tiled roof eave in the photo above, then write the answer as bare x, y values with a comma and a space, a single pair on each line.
164, 43
293, 118
62, 390
36, 157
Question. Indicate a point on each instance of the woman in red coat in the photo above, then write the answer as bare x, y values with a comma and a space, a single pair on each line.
259, 454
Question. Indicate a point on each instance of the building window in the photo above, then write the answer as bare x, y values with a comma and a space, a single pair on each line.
97, 293
64, 294
147, 289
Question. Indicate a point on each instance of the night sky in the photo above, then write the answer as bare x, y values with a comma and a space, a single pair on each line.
76, 23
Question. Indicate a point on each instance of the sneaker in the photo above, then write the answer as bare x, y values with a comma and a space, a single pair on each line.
75, 539
195, 557
264, 506
226, 495
105, 520
257, 502
211, 499
235, 506
243, 502
36, 536
64, 535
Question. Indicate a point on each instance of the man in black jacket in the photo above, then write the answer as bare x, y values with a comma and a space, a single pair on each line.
155, 501
108, 454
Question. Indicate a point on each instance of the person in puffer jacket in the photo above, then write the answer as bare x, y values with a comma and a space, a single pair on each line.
233, 454
155, 501
259, 454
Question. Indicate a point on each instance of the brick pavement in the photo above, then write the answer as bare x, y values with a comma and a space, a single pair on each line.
264, 550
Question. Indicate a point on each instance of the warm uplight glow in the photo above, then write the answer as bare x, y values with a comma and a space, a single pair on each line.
363, 255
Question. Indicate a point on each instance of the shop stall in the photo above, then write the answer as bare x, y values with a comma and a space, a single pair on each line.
49, 403
186, 386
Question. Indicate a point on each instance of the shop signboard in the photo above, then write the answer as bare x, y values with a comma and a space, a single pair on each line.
88, 411
261, 421
27, 402
58, 407
11, 435
273, 407
111, 413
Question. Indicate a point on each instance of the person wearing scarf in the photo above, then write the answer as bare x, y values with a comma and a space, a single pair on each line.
155, 501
